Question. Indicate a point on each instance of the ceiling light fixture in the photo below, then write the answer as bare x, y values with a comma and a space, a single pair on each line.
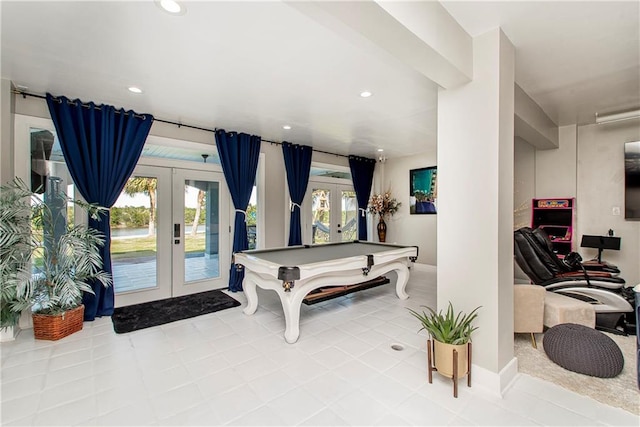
171, 6
286, 127
617, 117
380, 150
135, 89
365, 94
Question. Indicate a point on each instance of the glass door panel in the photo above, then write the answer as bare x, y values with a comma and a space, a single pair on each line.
201, 257
140, 224
202, 230
134, 246
348, 215
252, 219
321, 215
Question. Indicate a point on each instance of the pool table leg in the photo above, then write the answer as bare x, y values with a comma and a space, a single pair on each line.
291, 302
249, 288
401, 284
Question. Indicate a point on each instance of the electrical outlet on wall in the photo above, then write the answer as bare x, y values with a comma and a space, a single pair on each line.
615, 211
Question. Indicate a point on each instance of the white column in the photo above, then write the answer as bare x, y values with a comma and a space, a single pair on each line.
475, 205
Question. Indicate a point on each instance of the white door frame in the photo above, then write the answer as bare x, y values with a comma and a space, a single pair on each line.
179, 285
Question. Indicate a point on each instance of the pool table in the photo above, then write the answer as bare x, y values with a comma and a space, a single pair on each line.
295, 271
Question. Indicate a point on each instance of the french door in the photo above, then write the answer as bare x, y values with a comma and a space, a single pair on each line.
331, 212
170, 234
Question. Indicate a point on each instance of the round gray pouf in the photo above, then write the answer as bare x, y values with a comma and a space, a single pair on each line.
581, 349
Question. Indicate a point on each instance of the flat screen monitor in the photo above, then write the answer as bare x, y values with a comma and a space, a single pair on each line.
632, 180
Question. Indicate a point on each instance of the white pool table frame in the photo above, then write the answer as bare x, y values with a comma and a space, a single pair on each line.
338, 272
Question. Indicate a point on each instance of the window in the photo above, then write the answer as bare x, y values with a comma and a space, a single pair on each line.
49, 178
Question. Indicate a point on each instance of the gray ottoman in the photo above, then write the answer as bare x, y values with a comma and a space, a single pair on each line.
584, 350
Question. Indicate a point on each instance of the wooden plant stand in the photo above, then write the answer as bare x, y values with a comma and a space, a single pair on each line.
431, 366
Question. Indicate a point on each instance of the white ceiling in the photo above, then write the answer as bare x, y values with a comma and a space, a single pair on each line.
256, 66
574, 58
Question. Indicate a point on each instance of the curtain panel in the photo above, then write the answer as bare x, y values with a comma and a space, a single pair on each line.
101, 146
362, 169
239, 154
297, 162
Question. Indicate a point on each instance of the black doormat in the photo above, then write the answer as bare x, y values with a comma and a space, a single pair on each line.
154, 313
330, 292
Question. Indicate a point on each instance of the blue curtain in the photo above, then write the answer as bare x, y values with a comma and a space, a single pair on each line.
101, 146
362, 175
239, 153
297, 162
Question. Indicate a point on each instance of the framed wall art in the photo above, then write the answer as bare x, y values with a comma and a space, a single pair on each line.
423, 190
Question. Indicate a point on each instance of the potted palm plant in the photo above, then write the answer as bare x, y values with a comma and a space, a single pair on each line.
451, 334
15, 250
54, 262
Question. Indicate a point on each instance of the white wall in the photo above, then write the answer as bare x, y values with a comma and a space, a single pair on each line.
7, 104
275, 185
600, 188
556, 169
524, 184
524, 189
404, 228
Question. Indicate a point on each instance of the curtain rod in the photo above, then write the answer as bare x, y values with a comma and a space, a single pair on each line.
169, 122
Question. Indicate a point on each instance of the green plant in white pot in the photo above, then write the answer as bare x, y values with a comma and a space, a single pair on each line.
56, 262
450, 331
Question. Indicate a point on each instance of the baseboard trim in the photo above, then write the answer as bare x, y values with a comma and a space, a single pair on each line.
495, 383
424, 267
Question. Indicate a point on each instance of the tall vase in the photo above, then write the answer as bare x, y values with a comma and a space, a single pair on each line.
382, 230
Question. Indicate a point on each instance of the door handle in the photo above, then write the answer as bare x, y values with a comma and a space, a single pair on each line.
176, 234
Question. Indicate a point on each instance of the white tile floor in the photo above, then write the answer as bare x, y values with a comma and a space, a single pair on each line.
230, 369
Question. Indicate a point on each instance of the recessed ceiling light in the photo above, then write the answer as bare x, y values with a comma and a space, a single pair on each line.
135, 89
172, 6
380, 150
365, 94
286, 127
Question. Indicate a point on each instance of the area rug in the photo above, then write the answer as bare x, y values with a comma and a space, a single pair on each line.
154, 313
621, 391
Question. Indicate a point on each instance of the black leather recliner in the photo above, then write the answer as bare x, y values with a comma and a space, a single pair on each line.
597, 285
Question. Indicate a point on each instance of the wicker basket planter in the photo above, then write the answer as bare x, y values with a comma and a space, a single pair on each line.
54, 327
